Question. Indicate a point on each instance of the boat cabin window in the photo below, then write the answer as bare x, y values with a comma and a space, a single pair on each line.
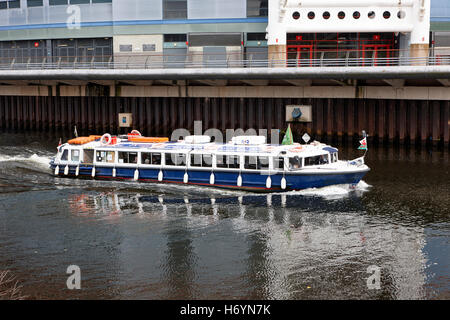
316, 160
231, 162
334, 157
75, 155
295, 163
128, 157
175, 159
256, 163
201, 160
151, 158
278, 163
88, 156
105, 156
65, 155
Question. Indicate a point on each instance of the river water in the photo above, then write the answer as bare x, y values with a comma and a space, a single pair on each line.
148, 241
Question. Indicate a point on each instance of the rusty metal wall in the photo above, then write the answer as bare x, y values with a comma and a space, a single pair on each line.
386, 121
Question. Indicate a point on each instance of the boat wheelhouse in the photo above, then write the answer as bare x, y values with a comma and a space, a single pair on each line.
245, 163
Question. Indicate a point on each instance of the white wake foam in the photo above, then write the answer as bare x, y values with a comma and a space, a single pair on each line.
41, 160
333, 192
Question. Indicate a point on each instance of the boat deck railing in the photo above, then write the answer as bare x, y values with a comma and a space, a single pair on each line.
317, 59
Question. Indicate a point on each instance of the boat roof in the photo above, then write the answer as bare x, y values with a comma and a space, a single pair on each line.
315, 148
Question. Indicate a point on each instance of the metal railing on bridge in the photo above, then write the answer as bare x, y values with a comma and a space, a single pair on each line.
350, 58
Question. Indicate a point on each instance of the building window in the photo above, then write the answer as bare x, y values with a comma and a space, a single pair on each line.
101, 1
148, 47
174, 9
356, 15
401, 14
35, 3
326, 15
257, 36
311, 15
3, 5
386, 14
296, 15
371, 14
341, 15
257, 8
57, 2
175, 37
125, 48
14, 4
79, 1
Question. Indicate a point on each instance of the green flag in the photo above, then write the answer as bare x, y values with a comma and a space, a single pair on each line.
288, 137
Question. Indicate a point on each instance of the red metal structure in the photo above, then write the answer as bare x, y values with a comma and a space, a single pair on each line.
303, 48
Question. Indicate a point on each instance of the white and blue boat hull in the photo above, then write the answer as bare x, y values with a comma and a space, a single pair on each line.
256, 181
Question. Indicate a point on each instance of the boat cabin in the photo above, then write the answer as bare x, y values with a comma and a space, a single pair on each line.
199, 156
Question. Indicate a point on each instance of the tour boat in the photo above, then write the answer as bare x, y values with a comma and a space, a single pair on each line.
245, 163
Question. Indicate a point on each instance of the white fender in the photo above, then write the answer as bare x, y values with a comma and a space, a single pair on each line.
66, 170
114, 172
160, 175
211, 178
77, 171
93, 172
136, 174
56, 170
283, 183
239, 181
268, 182
186, 177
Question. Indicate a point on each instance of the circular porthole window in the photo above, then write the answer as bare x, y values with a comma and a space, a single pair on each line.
341, 15
296, 15
311, 15
356, 15
386, 14
401, 14
326, 15
371, 14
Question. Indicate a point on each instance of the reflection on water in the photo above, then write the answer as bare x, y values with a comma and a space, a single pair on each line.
137, 240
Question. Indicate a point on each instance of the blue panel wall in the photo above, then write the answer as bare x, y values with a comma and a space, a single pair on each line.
440, 10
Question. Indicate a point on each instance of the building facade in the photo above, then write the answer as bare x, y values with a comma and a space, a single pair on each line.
208, 30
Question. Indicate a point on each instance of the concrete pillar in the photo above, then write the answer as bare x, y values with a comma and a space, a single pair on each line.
277, 55
418, 53
420, 35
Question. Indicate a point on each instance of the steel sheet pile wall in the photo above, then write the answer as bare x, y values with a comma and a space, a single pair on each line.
402, 121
